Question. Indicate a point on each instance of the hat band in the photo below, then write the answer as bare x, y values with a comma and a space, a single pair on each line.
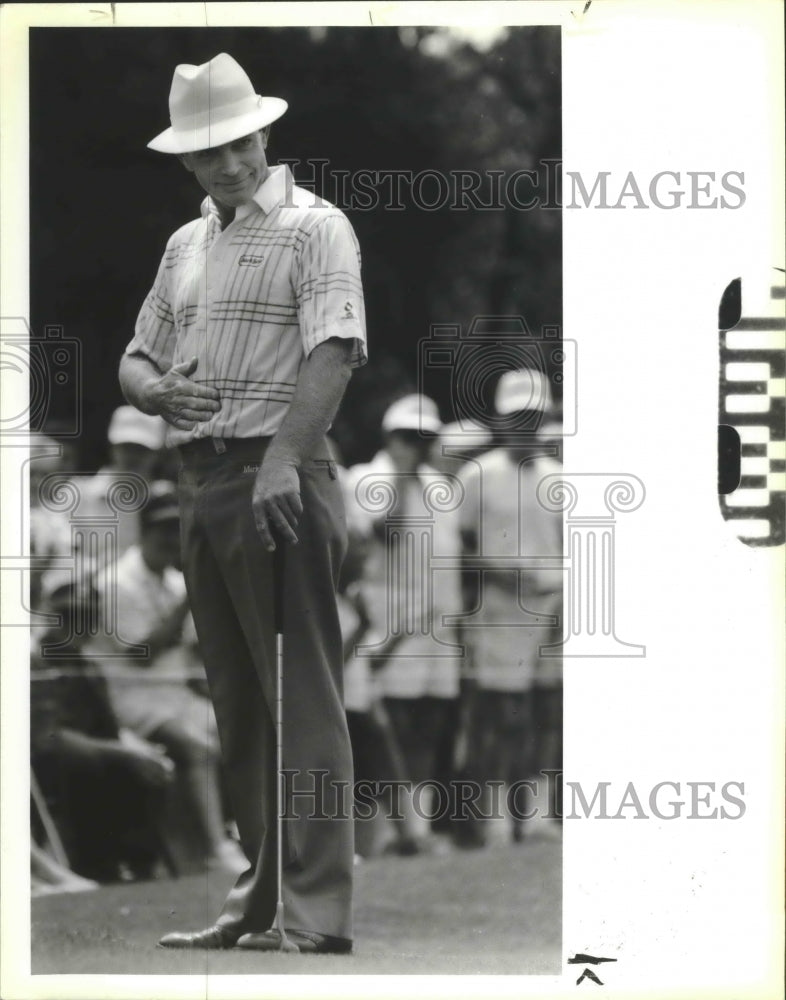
216, 115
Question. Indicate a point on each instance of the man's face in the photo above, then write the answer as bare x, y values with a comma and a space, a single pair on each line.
409, 449
231, 173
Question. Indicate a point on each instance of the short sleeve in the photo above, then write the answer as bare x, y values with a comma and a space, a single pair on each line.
328, 288
154, 334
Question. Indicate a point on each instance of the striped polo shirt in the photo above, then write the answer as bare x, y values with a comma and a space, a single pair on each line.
252, 301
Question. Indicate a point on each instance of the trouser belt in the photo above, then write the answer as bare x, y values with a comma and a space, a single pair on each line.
210, 447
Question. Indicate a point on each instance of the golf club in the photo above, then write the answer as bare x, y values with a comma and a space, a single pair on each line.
284, 944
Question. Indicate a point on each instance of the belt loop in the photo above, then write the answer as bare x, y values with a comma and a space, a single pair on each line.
220, 445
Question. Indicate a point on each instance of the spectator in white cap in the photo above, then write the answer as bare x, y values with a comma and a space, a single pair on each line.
406, 597
502, 520
410, 427
525, 392
135, 441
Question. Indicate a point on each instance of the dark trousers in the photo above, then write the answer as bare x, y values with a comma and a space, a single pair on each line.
547, 711
419, 725
501, 736
500, 748
230, 585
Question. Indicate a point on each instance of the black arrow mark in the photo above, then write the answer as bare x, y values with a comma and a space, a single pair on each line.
589, 974
582, 959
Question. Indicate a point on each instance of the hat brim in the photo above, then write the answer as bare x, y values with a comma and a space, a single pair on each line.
523, 405
424, 426
206, 137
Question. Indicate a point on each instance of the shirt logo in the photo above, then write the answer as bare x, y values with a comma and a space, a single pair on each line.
250, 260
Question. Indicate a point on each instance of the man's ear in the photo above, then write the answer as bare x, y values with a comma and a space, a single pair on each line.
185, 159
265, 133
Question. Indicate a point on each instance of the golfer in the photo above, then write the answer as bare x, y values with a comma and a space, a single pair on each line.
245, 345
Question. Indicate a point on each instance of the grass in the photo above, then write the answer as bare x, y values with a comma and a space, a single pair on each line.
494, 911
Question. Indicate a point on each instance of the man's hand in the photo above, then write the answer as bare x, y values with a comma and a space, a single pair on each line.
180, 401
147, 760
151, 766
321, 381
276, 501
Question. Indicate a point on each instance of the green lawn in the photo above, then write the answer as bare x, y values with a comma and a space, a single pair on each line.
492, 911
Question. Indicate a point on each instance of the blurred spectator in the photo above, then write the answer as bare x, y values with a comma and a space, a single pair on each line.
62, 432
375, 750
144, 602
103, 787
50, 530
406, 597
547, 689
502, 520
48, 876
135, 441
458, 442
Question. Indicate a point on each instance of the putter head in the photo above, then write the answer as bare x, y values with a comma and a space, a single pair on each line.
284, 944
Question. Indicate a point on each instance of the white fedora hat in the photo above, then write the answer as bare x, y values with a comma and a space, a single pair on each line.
212, 104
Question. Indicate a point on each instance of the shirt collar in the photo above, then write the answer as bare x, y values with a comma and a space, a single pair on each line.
270, 194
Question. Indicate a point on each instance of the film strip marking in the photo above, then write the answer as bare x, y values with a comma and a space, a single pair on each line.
752, 400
